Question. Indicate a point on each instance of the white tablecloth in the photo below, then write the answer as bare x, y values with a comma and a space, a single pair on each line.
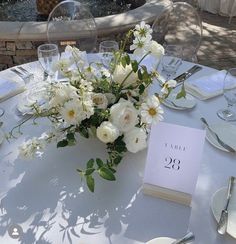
47, 199
222, 7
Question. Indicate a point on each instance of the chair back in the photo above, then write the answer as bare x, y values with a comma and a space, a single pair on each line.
71, 23
179, 24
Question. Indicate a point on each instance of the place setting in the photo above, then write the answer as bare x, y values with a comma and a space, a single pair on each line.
223, 207
170, 63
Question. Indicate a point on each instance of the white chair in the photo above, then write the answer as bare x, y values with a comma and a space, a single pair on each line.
71, 23
179, 24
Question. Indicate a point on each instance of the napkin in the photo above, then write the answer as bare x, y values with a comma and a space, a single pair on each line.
9, 89
208, 86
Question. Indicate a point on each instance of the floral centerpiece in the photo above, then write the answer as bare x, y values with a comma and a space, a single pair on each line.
110, 103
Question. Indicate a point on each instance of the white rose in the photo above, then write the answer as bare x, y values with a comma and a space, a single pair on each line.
100, 100
135, 140
120, 73
156, 49
124, 115
107, 132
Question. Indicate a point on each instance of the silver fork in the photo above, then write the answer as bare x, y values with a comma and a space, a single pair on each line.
223, 144
24, 74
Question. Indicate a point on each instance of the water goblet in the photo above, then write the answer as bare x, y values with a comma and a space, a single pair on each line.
107, 49
171, 60
48, 55
229, 91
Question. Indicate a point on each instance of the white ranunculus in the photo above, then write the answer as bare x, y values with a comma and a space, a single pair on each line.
100, 100
120, 73
156, 49
107, 132
124, 115
135, 140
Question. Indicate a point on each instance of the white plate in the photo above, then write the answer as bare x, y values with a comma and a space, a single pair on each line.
1, 136
182, 103
226, 132
218, 203
161, 240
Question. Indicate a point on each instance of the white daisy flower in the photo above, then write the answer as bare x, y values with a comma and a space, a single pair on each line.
70, 112
143, 30
151, 111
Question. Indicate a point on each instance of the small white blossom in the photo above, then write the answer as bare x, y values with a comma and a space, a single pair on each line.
167, 85
107, 132
143, 30
124, 115
31, 148
151, 111
86, 86
135, 140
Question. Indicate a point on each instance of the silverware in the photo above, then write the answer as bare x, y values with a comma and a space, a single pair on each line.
223, 144
24, 75
222, 225
185, 239
179, 79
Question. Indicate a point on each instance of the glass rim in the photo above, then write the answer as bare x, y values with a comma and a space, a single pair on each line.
40, 47
108, 42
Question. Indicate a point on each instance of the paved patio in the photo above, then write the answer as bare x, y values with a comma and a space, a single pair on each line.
218, 47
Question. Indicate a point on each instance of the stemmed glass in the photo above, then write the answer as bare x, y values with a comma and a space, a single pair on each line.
107, 49
48, 55
229, 91
171, 60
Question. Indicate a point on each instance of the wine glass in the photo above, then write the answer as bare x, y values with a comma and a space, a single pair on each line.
107, 49
171, 60
229, 91
48, 55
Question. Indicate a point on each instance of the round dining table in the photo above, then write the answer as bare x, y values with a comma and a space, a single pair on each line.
49, 203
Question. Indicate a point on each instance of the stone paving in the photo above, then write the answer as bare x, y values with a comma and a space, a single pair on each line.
218, 47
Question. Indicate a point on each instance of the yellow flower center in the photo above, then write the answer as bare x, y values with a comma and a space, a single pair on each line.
71, 113
152, 111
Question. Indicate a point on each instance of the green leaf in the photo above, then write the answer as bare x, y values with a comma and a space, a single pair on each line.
117, 160
89, 171
84, 131
123, 62
140, 75
90, 163
134, 66
106, 174
127, 58
141, 89
62, 143
182, 93
90, 182
70, 137
99, 162
79, 170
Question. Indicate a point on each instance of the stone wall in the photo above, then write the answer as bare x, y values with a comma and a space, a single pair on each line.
19, 40
17, 52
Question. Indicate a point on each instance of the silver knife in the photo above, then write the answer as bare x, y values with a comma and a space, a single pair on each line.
222, 225
188, 73
187, 238
223, 144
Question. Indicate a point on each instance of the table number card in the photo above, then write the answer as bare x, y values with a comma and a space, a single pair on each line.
173, 162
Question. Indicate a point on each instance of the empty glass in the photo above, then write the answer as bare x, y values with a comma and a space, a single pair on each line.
48, 55
229, 90
107, 49
171, 60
